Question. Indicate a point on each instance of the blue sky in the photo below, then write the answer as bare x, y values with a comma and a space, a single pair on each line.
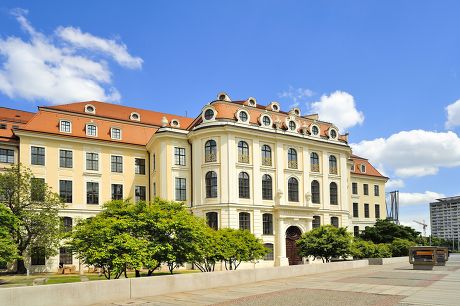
396, 64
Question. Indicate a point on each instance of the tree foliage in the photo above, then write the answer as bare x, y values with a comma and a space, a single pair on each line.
35, 208
8, 250
400, 247
367, 249
235, 246
325, 242
385, 231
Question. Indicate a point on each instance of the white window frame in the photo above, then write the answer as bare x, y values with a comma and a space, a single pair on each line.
112, 134
86, 129
60, 126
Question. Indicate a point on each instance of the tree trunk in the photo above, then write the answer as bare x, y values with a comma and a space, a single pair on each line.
21, 267
138, 273
150, 272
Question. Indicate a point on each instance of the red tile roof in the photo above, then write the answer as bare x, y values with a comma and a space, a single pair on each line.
12, 117
370, 170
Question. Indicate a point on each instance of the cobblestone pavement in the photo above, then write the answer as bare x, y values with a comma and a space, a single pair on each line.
395, 284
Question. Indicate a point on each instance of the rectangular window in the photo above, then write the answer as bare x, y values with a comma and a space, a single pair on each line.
92, 193
356, 231
139, 164
66, 223
115, 133
6, 156
335, 221
245, 221
270, 255
139, 193
179, 156
365, 189
366, 210
355, 210
377, 211
65, 256
2, 126
91, 130
37, 257
181, 194
154, 189
354, 188
65, 191
267, 224
65, 159
154, 162
92, 161
316, 222
117, 192
376, 190
37, 189
212, 219
65, 126
37, 156
117, 164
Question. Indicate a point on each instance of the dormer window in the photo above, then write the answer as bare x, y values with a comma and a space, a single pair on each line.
292, 126
275, 107
363, 168
314, 130
243, 116
90, 109
175, 123
209, 114
332, 134
252, 102
115, 133
91, 130
353, 167
295, 111
65, 126
223, 97
266, 121
135, 116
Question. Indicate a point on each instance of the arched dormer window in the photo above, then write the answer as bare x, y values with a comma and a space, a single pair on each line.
210, 151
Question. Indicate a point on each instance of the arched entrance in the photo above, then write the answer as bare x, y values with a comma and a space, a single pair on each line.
293, 233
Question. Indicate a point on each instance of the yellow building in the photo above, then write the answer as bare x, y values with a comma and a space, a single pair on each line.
238, 164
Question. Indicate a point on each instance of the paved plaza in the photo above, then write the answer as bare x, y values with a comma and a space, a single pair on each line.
393, 284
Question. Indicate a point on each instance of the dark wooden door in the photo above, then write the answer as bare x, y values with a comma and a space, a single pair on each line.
293, 233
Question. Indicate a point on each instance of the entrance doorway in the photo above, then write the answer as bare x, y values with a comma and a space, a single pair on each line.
293, 233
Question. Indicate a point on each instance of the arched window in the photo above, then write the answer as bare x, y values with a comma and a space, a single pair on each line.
243, 116
332, 164
292, 158
210, 151
315, 198
292, 125
212, 220
243, 185
269, 255
266, 155
316, 222
243, 152
245, 221
333, 194
267, 189
335, 221
293, 190
267, 224
211, 184
314, 161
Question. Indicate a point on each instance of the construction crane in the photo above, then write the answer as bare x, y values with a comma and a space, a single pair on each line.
424, 225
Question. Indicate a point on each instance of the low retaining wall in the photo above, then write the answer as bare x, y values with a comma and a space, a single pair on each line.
93, 292
386, 261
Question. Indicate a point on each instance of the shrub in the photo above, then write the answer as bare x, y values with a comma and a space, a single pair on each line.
367, 249
400, 247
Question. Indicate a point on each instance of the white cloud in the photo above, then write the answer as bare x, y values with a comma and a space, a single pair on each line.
338, 108
453, 115
415, 198
296, 95
394, 184
118, 51
45, 68
412, 153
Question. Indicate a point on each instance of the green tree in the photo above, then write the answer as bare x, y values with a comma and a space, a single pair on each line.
235, 246
326, 242
367, 249
8, 250
35, 208
385, 231
208, 254
107, 241
400, 247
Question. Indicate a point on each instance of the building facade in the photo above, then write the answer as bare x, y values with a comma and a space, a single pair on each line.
238, 164
445, 218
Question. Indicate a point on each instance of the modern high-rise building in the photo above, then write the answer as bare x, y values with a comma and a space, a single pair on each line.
238, 164
445, 218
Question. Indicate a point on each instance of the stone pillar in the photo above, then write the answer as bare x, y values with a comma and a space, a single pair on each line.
281, 259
